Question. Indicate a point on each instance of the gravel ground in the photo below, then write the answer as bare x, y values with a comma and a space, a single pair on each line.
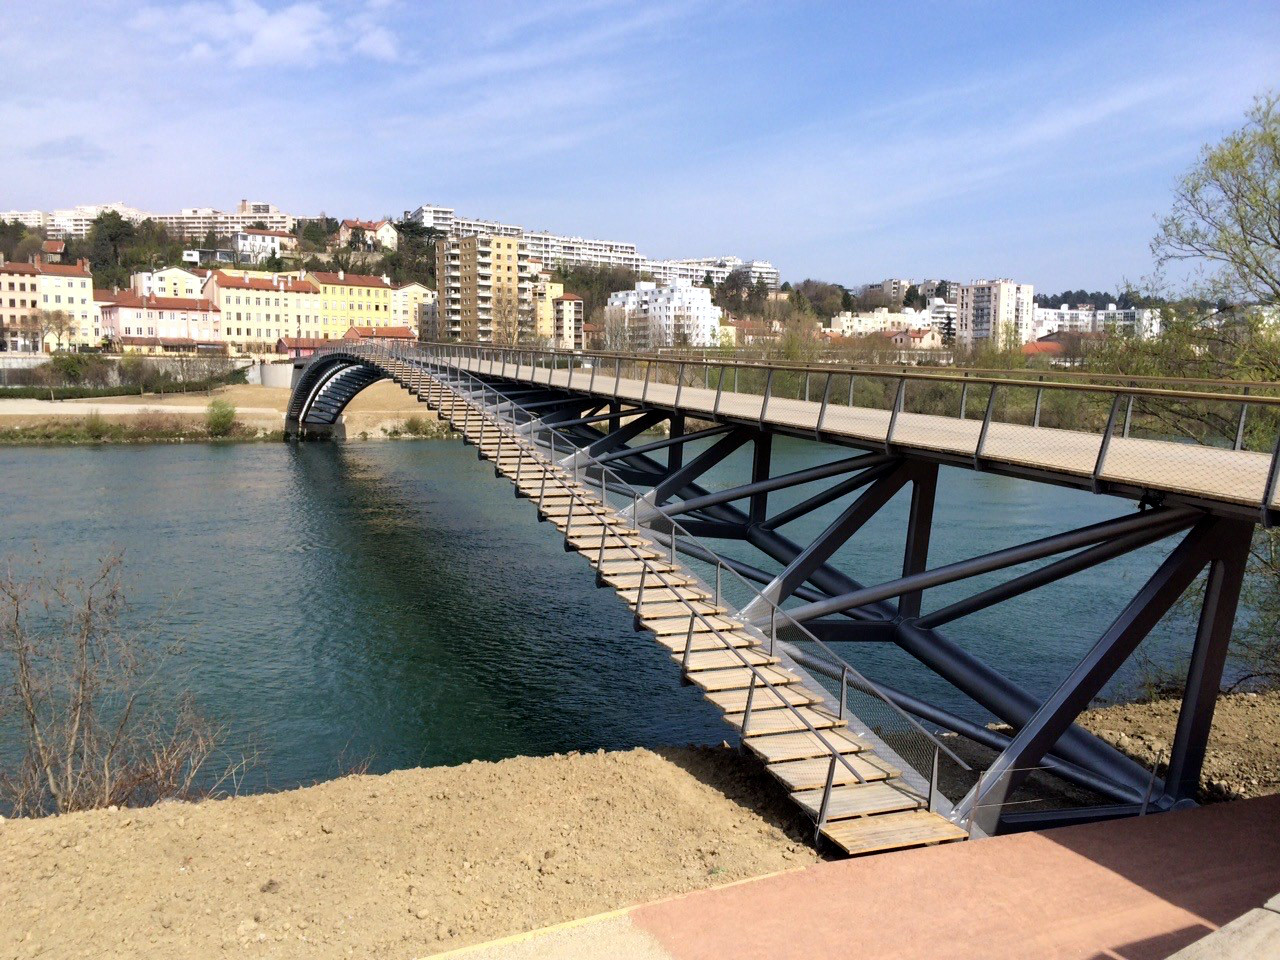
1243, 757
401, 865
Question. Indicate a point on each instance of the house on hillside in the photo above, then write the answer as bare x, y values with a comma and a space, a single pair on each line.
368, 234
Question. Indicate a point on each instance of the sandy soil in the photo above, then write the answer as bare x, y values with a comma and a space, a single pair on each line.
401, 865
378, 408
1243, 758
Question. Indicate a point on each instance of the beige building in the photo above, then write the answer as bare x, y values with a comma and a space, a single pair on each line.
256, 312
569, 321
170, 282
407, 302
19, 301
999, 310
485, 289
374, 234
544, 308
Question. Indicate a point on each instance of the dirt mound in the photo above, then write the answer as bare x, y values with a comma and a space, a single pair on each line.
401, 865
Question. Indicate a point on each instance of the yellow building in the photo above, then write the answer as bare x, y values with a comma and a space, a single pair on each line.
68, 287
352, 300
545, 293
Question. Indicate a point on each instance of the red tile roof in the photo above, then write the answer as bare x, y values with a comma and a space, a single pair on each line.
570, 296
350, 279
268, 233
233, 281
78, 269
371, 226
53, 246
132, 300
391, 333
19, 268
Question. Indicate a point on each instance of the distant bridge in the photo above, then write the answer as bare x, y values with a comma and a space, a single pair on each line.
569, 429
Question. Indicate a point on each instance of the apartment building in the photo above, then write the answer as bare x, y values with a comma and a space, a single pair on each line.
192, 223
554, 249
893, 289
256, 311
353, 300
881, 320
19, 303
696, 270
176, 322
407, 305
570, 319
1087, 318
675, 314
255, 245
169, 282
544, 308
485, 288
1000, 310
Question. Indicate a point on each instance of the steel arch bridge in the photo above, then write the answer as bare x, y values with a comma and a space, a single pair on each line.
586, 415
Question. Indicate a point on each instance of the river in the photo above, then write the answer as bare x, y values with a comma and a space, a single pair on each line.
394, 601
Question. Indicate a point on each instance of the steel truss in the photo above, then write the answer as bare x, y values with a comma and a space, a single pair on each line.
837, 608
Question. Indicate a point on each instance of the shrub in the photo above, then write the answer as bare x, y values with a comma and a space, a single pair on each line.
220, 418
96, 426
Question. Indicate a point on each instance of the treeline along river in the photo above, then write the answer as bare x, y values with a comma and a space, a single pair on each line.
395, 601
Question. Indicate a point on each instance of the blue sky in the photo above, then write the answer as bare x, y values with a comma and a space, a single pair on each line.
846, 141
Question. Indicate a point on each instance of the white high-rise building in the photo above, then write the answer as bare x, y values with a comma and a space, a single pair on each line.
1001, 310
193, 223
696, 270
554, 249
1086, 318
678, 314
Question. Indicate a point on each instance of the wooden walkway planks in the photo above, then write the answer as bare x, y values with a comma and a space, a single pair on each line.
784, 709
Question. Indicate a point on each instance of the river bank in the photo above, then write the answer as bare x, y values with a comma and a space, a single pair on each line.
383, 411
414, 862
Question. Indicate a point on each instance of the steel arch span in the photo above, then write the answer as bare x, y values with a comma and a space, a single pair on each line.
323, 388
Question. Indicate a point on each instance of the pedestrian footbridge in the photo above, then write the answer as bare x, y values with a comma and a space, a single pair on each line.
774, 645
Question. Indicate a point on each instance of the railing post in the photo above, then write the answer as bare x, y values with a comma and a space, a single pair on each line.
715, 411
751, 696
718, 572
679, 383
1106, 443
768, 391
822, 413
1244, 407
617, 376
1269, 489
806, 386
933, 779
648, 372
773, 628
964, 396
688, 644
898, 398
1039, 395
844, 689
826, 795
986, 425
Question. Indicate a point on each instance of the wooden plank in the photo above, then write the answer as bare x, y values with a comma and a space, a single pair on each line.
812, 774
892, 831
802, 746
707, 641
656, 608
738, 678
770, 722
860, 799
719, 659
766, 698
667, 626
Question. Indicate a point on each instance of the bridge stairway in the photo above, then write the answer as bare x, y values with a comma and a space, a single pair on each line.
872, 810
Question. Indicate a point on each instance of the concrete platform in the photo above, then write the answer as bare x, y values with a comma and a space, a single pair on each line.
1139, 889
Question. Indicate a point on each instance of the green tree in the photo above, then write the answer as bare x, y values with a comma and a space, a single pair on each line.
1226, 211
108, 233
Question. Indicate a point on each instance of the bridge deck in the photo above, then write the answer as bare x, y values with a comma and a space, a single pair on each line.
1204, 472
864, 815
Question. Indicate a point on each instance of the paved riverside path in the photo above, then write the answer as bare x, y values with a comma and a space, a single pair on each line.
1214, 473
1134, 889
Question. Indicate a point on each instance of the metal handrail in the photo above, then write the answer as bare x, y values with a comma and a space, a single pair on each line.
854, 676
984, 377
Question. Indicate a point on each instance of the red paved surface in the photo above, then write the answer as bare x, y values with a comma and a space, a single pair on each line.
1136, 889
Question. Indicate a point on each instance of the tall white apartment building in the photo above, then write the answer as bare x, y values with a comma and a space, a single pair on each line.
1001, 310
555, 249
696, 270
675, 314
893, 289
1086, 318
73, 223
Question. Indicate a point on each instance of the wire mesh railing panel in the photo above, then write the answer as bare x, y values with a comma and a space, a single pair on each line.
859, 406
